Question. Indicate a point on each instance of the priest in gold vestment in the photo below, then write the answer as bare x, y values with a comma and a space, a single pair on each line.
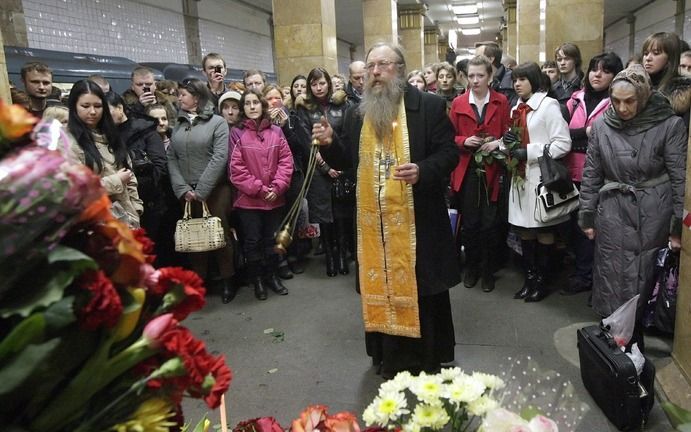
401, 144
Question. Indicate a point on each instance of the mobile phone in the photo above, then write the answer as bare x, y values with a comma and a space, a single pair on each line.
146, 89
218, 68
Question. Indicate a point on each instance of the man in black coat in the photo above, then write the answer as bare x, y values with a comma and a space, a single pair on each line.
429, 142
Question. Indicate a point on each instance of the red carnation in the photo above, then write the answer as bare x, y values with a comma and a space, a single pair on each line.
147, 244
104, 307
222, 376
186, 287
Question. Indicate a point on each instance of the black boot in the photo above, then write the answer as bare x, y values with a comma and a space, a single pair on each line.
276, 285
330, 252
543, 256
528, 252
254, 271
487, 265
229, 291
471, 272
342, 249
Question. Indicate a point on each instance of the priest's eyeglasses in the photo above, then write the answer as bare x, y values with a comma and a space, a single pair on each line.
382, 64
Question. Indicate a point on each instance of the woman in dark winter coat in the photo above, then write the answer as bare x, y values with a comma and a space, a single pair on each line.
149, 162
261, 166
632, 193
584, 107
320, 101
197, 163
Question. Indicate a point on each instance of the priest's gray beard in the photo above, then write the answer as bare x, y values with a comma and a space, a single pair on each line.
379, 105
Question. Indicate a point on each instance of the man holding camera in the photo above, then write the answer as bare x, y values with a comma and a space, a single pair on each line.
142, 93
215, 70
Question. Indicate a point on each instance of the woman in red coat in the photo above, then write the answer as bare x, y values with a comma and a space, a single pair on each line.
480, 116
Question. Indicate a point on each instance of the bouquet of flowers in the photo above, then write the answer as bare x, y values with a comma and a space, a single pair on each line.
515, 167
314, 418
450, 398
90, 334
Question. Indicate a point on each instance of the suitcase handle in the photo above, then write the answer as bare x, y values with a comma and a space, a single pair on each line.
607, 337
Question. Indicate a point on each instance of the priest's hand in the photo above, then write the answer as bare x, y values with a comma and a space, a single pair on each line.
322, 132
407, 172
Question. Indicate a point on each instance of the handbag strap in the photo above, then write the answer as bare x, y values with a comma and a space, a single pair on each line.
205, 210
188, 210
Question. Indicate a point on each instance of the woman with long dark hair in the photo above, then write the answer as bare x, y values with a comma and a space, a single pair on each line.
100, 148
321, 101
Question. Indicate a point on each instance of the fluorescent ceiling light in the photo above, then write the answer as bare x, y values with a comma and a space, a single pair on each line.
465, 9
470, 31
468, 20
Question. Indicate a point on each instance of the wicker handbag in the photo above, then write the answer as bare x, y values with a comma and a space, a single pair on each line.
199, 234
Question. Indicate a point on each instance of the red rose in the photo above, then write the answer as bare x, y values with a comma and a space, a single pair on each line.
104, 306
261, 424
147, 244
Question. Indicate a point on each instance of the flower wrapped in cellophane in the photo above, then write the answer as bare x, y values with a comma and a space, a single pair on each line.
90, 334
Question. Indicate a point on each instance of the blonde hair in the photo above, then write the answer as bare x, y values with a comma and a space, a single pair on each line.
57, 112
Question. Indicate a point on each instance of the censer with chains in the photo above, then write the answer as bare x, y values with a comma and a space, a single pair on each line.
285, 236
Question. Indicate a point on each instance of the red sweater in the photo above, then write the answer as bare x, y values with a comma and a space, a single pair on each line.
495, 124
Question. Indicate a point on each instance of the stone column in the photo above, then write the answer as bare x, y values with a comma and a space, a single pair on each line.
304, 37
13, 24
431, 43
631, 21
527, 30
190, 16
442, 45
4, 78
380, 21
586, 31
411, 34
510, 18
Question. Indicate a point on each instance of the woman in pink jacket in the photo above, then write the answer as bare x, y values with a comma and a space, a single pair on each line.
261, 166
585, 106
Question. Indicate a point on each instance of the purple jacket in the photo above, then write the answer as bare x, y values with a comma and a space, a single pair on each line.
260, 160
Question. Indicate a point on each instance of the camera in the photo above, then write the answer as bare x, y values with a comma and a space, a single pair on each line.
146, 89
218, 69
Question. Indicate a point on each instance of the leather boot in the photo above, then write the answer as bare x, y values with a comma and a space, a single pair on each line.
542, 258
275, 284
528, 251
229, 291
259, 289
471, 272
254, 269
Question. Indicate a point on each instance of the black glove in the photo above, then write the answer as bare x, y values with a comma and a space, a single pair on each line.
509, 138
520, 153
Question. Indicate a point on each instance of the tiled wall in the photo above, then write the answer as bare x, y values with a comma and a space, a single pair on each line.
240, 49
108, 27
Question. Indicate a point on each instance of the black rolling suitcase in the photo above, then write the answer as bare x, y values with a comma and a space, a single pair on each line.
610, 377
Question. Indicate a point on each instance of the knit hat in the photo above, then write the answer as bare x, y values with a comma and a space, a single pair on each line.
231, 94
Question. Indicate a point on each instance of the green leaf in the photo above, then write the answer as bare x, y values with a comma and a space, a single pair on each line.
200, 426
60, 314
499, 155
529, 412
478, 158
484, 153
66, 254
24, 364
677, 415
489, 159
48, 287
28, 331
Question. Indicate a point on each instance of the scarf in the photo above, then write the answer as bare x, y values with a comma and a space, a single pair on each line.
657, 110
519, 119
386, 239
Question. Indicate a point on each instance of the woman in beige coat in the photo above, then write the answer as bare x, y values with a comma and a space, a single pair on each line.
99, 147
537, 122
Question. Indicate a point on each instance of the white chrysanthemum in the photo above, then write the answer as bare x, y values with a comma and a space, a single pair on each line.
492, 382
430, 416
481, 405
464, 389
427, 388
411, 426
398, 384
449, 374
386, 408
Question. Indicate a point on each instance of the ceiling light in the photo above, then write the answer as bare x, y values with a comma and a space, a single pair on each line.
468, 20
470, 31
465, 9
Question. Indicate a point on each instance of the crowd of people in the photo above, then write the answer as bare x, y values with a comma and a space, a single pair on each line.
397, 150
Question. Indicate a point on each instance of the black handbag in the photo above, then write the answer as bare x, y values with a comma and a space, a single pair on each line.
555, 176
343, 189
141, 164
